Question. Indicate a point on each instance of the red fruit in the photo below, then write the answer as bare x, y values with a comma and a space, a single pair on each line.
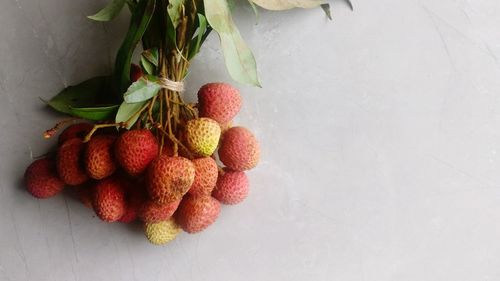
196, 213
206, 172
109, 200
135, 72
135, 197
152, 212
169, 178
99, 158
78, 131
42, 180
70, 162
239, 149
219, 101
135, 149
232, 187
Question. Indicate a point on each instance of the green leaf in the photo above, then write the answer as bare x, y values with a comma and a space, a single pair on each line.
328, 12
110, 11
85, 94
279, 5
202, 30
142, 90
138, 25
240, 61
174, 11
95, 113
128, 112
151, 55
147, 66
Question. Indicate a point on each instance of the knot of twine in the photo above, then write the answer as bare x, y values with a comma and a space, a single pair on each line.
176, 86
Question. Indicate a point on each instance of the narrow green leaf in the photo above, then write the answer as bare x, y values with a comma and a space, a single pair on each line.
138, 25
95, 113
142, 90
147, 66
202, 29
328, 12
151, 55
110, 11
174, 11
128, 112
240, 61
85, 94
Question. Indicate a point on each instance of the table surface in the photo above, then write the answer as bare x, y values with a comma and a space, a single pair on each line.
380, 138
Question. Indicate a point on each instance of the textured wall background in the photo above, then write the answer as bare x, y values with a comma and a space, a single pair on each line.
380, 136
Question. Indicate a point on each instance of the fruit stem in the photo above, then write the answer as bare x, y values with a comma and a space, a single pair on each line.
102, 126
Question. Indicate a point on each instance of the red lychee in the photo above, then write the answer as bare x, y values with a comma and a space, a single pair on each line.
109, 200
99, 157
206, 172
42, 180
70, 162
239, 149
79, 131
196, 213
152, 212
232, 187
135, 149
219, 101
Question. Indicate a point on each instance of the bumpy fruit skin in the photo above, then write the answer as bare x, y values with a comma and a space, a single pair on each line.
134, 150
202, 136
196, 213
219, 101
161, 233
232, 187
151, 212
169, 178
42, 180
109, 200
206, 173
135, 198
99, 157
239, 149
78, 131
70, 162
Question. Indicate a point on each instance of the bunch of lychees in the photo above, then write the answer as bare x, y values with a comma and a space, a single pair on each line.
129, 175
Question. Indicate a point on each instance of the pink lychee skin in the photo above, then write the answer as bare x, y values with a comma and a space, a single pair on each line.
135, 149
206, 173
219, 101
42, 180
151, 212
196, 213
239, 149
232, 187
70, 162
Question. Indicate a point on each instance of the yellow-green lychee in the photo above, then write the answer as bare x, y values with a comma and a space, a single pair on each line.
202, 136
161, 233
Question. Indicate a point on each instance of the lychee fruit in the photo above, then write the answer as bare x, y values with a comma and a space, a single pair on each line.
219, 101
135, 149
135, 72
42, 180
78, 131
196, 213
152, 212
169, 178
70, 162
109, 200
99, 157
206, 173
202, 136
232, 187
239, 149
135, 198
162, 232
